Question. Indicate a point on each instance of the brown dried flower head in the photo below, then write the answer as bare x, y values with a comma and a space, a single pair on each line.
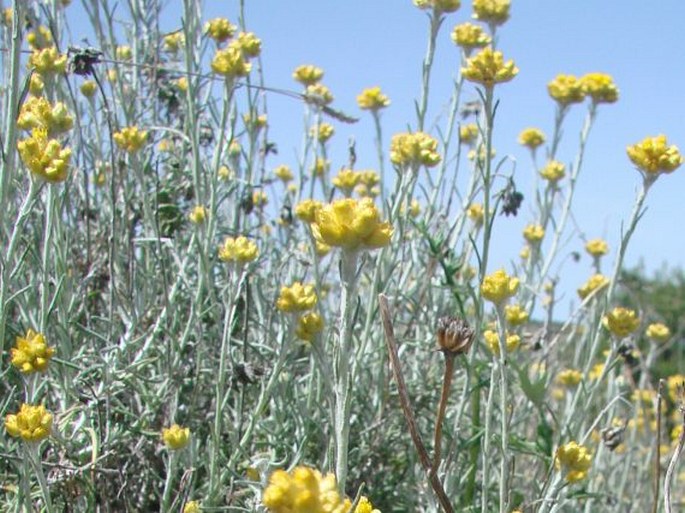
455, 336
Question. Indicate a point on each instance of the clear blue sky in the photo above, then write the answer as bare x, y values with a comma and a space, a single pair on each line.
360, 43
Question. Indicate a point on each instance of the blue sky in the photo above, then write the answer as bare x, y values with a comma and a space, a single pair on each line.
361, 43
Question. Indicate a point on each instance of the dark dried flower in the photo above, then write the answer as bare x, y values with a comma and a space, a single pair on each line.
454, 335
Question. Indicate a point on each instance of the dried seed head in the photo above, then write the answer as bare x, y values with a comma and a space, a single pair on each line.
454, 335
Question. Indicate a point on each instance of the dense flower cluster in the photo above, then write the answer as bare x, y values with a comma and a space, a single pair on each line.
532, 138
308, 74
574, 461
220, 29
653, 155
600, 87
31, 423
553, 171
499, 286
488, 68
494, 12
176, 437
596, 282
239, 250
438, 5
296, 298
372, 99
569, 377
31, 353
470, 36
468, 133
130, 139
566, 89
515, 315
308, 326
512, 342
658, 332
414, 149
533, 233
45, 157
597, 247
621, 321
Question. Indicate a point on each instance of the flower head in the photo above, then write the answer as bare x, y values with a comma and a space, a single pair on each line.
45, 157
230, 63
573, 460
600, 87
658, 332
532, 138
308, 326
468, 133
88, 88
553, 171
283, 173
351, 224
306, 210
48, 61
372, 99
323, 132
414, 149
318, 94
621, 321
307, 74
37, 112
533, 233
494, 12
31, 353
198, 214
239, 250
303, 489
39, 38
130, 139
569, 377
515, 315
566, 89
249, 44
296, 298
597, 247
470, 36
488, 68
438, 5
220, 29
173, 41
499, 286
176, 437
346, 180
511, 344
31, 423
124, 53
476, 213
654, 156
455, 336
596, 282
191, 507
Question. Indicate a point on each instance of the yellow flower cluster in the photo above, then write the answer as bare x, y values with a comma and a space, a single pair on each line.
494, 12
515, 315
600, 87
305, 490
533, 233
468, 133
621, 321
39, 38
532, 138
39, 113
469, 36
308, 74
239, 250
569, 377
308, 326
476, 213
220, 29
491, 337
653, 155
322, 132
414, 150
306, 209
499, 286
596, 282
191, 507
597, 247
488, 68
174, 41
346, 180
88, 88
124, 53
658, 332
438, 5
553, 171
283, 173
31, 423
573, 460
296, 298
47, 61
198, 214
320, 166
130, 139
352, 225
233, 61
372, 99
566, 89
318, 94
31, 353
45, 157
176, 437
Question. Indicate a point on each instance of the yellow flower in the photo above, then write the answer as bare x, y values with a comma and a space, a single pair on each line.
476, 213
176, 437
597, 247
470, 36
124, 53
488, 68
239, 250
7, 16
112, 76
566, 89
323, 132
40, 38
573, 460
654, 156
174, 41
600, 87
39, 113
346, 180
88, 88
320, 166
372, 99
414, 149
283, 173
306, 209
130, 139
303, 490
48, 61
468, 133
45, 157
220, 29
36, 85
515, 315
438, 5
621, 321
658, 332
674, 383
499, 286
259, 199
596, 371
351, 224
191, 507
182, 84
494, 12
513, 341
31, 423
318, 94
198, 214
596, 282
249, 44
532, 138
308, 74
296, 298
230, 63
369, 178
31, 353
553, 171
525, 252
569, 377
414, 208
533, 233
308, 326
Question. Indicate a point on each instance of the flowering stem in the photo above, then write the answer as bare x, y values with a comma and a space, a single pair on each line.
435, 22
348, 278
34, 459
